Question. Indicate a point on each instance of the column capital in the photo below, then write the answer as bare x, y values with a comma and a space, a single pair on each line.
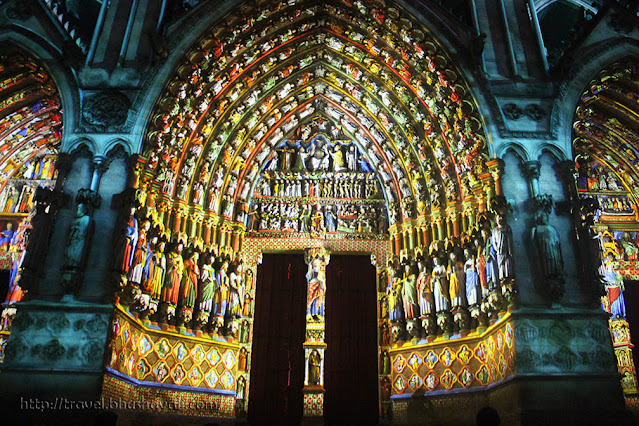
543, 203
100, 164
88, 197
496, 165
532, 170
317, 252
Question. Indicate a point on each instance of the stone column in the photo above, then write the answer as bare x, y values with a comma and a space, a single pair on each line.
176, 221
396, 237
440, 228
427, 235
315, 345
206, 232
405, 239
99, 166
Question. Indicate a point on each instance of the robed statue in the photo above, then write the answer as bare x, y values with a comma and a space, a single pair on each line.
503, 242
79, 234
546, 242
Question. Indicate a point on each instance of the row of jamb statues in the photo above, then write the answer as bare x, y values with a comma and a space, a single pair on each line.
189, 287
456, 288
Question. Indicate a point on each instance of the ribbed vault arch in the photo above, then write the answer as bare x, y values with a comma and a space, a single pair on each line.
30, 139
606, 127
372, 72
30, 113
606, 148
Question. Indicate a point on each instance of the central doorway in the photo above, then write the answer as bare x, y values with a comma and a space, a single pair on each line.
277, 362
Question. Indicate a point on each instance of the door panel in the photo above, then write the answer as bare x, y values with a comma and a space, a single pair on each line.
277, 361
351, 338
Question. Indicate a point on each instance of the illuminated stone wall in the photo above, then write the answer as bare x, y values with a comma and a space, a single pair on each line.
463, 363
148, 361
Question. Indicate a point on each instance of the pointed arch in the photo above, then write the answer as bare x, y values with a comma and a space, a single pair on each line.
31, 133
606, 152
244, 82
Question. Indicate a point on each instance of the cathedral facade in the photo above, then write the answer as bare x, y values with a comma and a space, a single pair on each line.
396, 212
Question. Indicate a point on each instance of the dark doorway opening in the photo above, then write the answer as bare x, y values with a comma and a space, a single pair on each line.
4, 283
351, 371
631, 298
277, 361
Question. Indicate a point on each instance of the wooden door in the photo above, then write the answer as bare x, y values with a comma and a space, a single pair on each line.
351, 337
277, 361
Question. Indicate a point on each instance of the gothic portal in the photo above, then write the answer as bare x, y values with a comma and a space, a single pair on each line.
302, 212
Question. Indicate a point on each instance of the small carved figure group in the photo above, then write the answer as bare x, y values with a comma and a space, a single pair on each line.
186, 286
315, 219
465, 283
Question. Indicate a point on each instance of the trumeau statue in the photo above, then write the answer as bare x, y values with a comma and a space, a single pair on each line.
314, 363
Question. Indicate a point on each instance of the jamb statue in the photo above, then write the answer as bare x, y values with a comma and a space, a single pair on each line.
503, 242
